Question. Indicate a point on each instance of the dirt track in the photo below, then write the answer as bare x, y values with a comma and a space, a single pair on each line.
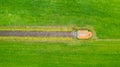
37, 33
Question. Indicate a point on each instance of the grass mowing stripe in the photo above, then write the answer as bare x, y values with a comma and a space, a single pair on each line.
36, 28
16, 38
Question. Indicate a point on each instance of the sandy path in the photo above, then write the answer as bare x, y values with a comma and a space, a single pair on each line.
38, 33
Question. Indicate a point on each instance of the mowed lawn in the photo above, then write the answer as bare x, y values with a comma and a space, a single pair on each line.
102, 15
88, 54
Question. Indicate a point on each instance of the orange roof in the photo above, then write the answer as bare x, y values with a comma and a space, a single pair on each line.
84, 34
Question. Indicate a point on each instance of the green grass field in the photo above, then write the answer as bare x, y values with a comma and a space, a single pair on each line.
102, 15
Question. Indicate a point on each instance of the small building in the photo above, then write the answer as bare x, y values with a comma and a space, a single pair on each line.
84, 34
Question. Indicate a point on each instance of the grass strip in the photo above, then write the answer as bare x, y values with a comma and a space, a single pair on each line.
35, 28
17, 38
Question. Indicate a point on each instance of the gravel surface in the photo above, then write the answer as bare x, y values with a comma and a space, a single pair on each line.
38, 33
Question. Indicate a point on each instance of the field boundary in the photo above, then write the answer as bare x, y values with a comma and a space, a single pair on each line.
107, 40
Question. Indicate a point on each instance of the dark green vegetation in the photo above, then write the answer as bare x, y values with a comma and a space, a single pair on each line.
103, 15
